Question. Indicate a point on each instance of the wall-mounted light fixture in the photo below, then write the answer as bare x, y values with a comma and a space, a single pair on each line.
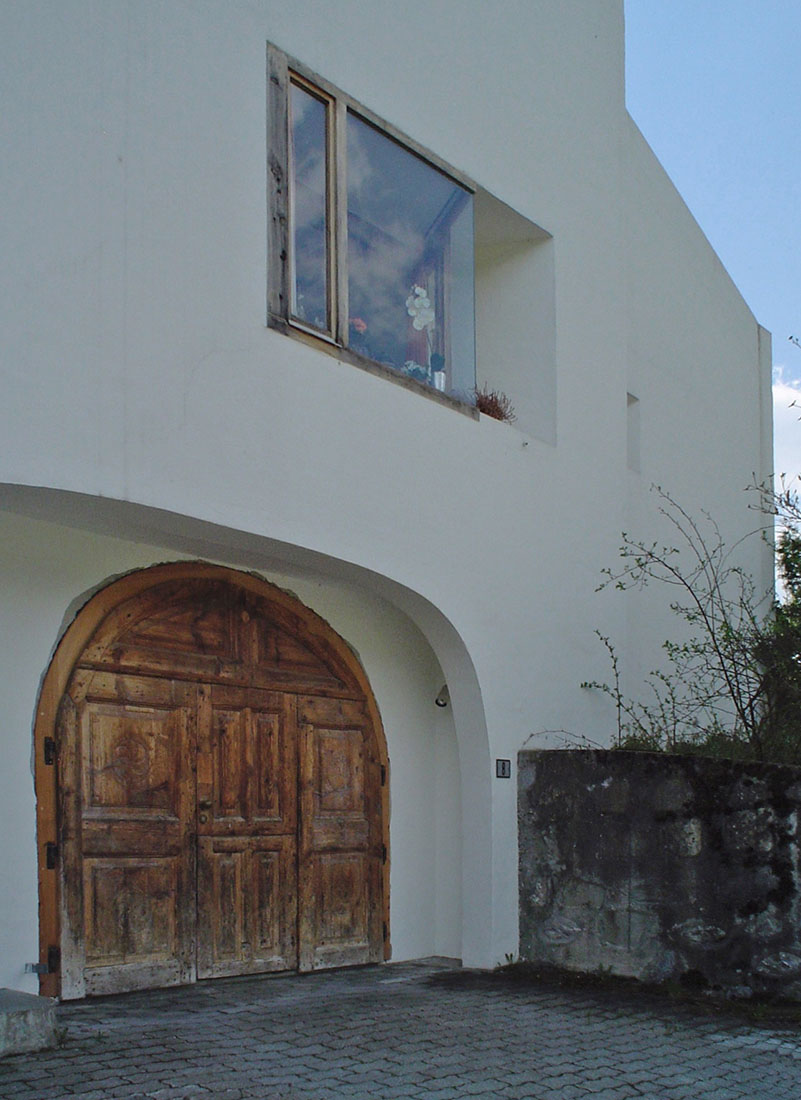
444, 697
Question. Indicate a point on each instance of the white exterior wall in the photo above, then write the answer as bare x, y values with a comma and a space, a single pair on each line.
144, 398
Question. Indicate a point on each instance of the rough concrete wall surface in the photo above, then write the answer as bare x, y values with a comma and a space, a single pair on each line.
27, 1022
662, 867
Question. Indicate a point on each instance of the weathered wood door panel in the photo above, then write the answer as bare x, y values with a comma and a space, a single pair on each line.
340, 918
130, 803
247, 831
219, 803
246, 905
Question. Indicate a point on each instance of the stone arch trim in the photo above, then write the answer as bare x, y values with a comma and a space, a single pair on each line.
94, 625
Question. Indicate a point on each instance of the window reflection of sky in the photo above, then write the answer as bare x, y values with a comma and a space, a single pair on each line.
409, 233
308, 200
400, 212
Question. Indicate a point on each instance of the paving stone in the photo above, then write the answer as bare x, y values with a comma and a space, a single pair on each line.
400, 1033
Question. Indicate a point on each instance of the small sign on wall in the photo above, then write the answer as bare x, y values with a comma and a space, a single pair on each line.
503, 769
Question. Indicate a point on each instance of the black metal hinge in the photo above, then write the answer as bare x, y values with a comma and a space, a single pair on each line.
383, 775
383, 853
49, 751
386, 930
51, 855
52, 966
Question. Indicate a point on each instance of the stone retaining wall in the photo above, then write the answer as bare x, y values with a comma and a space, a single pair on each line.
662, 867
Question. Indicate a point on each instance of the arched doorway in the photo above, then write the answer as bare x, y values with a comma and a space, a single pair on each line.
211, 788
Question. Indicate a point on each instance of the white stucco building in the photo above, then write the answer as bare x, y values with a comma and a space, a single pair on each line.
244, 246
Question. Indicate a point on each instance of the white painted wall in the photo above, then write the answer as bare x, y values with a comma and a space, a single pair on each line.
138, 373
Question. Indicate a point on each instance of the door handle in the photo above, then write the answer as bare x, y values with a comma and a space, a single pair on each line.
204, 805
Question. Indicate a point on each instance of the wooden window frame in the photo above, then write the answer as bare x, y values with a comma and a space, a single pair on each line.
282, 72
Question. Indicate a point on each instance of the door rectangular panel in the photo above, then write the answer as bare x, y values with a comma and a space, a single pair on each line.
129, 763
274, 794
341, 920
230, 736
128, 870
252, 756
340, 917
342, 889
246, 905
222, 881
132, 910
338, 805
273, 883
340, 765
247, 762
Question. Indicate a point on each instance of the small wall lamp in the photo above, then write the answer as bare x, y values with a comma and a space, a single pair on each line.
444, 696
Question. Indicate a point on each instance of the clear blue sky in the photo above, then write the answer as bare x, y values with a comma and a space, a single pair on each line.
715, 87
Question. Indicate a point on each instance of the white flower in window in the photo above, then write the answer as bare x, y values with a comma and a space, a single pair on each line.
418, 306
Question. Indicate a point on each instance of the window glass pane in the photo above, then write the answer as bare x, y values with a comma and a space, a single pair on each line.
309, 209
410, 263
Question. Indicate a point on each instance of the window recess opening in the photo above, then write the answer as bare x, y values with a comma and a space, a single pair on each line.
385, 254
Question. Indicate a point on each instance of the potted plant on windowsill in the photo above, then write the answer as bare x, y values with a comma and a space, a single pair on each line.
494, 403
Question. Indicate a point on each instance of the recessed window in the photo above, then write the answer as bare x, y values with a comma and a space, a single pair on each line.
372, 243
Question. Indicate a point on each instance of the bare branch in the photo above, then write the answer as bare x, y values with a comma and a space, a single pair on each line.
735, 681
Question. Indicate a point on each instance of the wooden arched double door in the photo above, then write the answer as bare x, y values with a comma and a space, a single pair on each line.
220, 789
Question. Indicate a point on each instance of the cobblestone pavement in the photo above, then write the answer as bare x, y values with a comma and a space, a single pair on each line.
403, 1031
